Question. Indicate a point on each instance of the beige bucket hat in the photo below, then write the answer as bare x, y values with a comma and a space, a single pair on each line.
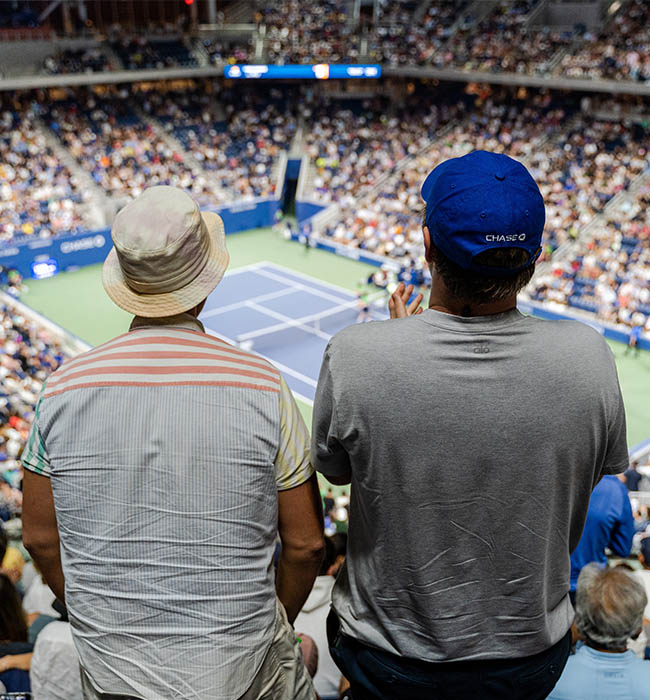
167, 256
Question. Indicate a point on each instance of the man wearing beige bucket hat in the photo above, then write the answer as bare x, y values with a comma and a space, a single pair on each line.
170, 461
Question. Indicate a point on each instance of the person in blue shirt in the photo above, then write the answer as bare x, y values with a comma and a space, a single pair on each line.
632, 477
609, 611
609, 524
633, 342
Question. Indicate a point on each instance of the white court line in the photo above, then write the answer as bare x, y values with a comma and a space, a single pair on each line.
286, 321
283, 368
309, 278
245, 268
241, 304
303, 287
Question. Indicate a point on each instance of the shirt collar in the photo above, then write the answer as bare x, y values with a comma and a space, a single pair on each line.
184, 320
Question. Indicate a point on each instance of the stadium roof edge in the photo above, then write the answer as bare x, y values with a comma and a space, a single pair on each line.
29, 82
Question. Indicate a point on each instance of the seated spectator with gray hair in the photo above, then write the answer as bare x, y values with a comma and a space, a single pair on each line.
609, 611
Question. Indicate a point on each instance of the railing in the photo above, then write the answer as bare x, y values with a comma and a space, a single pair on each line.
279, 172
305, 179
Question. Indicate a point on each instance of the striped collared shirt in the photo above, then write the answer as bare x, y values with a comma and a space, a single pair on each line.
166, 448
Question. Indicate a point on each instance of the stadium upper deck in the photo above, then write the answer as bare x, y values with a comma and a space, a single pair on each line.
603, 44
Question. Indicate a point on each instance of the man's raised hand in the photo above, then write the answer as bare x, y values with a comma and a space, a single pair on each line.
397, 304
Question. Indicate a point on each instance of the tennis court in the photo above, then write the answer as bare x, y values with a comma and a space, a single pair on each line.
283, 315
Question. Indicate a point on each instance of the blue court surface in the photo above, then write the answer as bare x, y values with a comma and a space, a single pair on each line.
283, 315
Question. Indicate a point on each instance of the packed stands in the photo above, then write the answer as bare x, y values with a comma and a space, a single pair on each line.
39, 196
29, 353
621, 51
236, 138
398, 40
608, 272
501, 42
123, 153
353, 146
299, 32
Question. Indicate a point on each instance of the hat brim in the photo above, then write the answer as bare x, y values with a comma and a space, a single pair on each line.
180, 300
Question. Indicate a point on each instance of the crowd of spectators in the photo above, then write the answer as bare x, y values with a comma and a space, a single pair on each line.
122, 152
501, 42
39, 196
353, 146
397, 39
299, 32
224, 148
621, 51
445, 34
29, 353
226, 143
608, 272
236, 137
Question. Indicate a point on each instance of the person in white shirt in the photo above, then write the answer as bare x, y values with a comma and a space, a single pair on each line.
312, 620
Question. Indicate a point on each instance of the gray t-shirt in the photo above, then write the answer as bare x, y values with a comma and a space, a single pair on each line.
473, 444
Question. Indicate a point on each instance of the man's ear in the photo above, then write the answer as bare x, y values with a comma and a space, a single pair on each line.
428, 246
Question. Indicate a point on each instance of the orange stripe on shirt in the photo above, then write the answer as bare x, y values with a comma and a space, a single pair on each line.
164, 370
159, 355
168, 340
239, 385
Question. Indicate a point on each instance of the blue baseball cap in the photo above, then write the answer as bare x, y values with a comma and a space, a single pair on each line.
483, 201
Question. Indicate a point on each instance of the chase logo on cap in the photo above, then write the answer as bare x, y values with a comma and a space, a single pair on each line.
510, 238
482, 201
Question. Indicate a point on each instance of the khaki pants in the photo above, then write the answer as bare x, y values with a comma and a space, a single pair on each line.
282, 676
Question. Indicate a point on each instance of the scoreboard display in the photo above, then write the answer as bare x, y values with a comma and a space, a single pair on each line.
319, 71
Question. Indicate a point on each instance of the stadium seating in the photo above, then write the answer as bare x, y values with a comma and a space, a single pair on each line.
621, 51
608, 272
39, 196
236, 138
123, 153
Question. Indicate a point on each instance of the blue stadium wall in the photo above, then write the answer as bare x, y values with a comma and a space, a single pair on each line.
78, 250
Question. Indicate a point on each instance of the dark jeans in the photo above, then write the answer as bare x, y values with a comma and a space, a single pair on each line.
378, 675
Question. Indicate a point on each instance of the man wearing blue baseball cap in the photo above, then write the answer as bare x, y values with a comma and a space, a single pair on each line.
472, 436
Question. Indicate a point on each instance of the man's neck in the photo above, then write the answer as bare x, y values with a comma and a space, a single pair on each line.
441, 300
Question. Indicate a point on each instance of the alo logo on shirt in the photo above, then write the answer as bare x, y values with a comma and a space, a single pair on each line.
481, 347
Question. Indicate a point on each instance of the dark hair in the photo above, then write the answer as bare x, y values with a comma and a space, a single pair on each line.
478, 288
13, 626
482, 289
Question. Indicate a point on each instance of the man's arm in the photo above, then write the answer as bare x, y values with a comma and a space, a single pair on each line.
327, 453
40, 532
300, 525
